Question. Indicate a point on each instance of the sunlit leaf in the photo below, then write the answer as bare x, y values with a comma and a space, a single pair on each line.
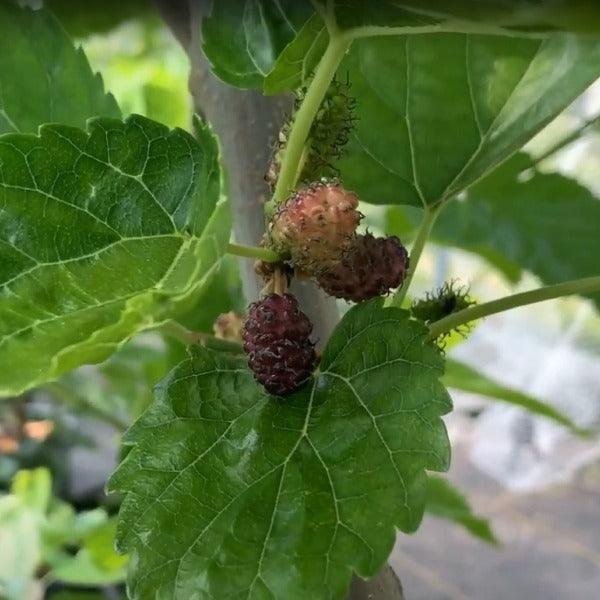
102, 234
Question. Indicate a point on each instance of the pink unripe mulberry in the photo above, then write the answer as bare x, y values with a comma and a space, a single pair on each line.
315, 226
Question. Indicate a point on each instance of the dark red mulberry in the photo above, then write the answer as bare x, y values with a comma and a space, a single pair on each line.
315, 226
372, 267
276, 338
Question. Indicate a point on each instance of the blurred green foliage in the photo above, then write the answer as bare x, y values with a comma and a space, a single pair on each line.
50, 542
145, 69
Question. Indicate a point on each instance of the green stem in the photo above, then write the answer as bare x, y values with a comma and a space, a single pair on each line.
292, 155
73, 399
429, 217
462, 317
253, 252
189, 338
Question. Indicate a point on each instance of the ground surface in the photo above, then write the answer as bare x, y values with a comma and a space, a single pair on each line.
551, 544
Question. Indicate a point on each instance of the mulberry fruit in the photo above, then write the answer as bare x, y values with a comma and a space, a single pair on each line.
329, 134
315, 226
276, 338
444, 301
372, 267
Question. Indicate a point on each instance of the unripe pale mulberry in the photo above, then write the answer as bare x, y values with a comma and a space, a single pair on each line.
316, 226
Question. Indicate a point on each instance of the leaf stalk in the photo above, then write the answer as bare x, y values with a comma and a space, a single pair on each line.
429, 217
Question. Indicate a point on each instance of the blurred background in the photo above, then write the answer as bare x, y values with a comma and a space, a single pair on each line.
536, 481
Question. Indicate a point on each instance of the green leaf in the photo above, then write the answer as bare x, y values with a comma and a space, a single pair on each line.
69, 595
63, 526
298, 59
463, 377
404, 221
99, 15
242, 40
229, 492
22, 515
438, 111
103, 234
96, 563
446, 502
19, 532
33, 488
121, 386
43, 77
356, 15
81, 569
546, 223
223, 294
513, 15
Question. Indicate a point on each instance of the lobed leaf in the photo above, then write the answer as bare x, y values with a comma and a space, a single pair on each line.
231, 493
103, 234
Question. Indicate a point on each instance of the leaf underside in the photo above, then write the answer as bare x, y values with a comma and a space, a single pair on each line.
545, 222
230, 493
436, 112
102, 234
242, 40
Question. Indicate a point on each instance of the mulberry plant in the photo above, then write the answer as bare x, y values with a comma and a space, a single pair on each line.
281, 457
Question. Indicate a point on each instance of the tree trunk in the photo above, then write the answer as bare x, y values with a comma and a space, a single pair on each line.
247, 124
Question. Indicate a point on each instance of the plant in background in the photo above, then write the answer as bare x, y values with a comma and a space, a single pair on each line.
282, 466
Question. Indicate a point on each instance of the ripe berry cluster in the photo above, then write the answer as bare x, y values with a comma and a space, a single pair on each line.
314, 231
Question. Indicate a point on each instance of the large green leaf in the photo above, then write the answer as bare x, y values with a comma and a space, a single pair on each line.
462, 377
515, 15
546, 223
446, 502
102, 234
438, 111
252, 43
43, 77
229, 492
512, 15
99, 15
242, 39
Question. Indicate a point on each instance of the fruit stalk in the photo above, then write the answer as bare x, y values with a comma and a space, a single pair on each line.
338, 45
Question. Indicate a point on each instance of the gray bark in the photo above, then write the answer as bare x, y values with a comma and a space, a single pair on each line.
247, 124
